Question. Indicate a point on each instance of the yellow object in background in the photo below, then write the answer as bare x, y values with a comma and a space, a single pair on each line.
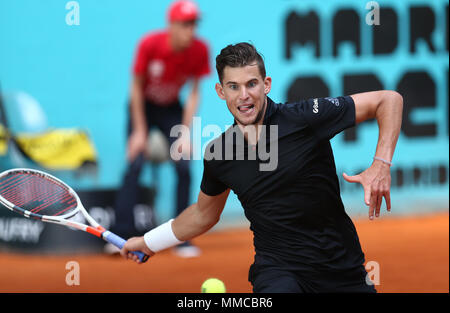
3, 140
58, 148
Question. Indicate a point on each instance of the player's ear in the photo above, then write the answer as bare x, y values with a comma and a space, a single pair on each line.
219, 90
267, 84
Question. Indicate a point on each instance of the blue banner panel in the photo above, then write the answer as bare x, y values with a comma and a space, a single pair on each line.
75, 59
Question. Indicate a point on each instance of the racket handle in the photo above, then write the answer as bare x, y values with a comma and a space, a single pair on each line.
119, 242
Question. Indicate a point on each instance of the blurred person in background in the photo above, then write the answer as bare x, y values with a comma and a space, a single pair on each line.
165, 61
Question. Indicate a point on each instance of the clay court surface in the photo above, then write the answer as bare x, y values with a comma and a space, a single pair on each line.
413, 254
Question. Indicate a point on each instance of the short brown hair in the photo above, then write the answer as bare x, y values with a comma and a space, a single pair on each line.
238, 55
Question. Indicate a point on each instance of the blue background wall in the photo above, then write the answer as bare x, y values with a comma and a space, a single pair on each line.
80, 75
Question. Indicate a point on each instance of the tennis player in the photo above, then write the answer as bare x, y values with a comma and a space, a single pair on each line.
165, 61
304, 240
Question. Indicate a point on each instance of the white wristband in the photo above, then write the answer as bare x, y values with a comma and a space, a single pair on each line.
161, 237
382, 160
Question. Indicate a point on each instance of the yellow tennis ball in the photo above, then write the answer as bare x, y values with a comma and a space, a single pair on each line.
213, 285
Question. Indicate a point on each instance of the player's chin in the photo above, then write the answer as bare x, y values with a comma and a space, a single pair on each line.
247, 120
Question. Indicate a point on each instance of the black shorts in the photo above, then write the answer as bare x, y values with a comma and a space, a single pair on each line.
268, 279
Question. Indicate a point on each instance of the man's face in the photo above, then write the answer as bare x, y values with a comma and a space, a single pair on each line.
244, 91
182, 33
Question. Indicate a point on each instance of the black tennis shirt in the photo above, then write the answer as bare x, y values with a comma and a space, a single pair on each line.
295, 211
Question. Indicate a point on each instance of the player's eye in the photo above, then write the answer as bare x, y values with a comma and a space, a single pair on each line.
253, 83
233, 87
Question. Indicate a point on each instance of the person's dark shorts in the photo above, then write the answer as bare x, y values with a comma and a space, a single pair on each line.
268, 279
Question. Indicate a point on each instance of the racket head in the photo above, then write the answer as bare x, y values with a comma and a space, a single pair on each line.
37, 195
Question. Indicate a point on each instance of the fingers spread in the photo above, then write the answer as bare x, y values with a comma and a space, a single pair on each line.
367, 196
374, 201
352, 179
387, 197
379, 198
372, 204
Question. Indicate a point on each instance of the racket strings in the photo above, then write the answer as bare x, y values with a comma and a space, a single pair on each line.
20, 191
37, 194
14, 190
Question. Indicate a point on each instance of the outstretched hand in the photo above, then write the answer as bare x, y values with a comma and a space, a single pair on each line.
376, 181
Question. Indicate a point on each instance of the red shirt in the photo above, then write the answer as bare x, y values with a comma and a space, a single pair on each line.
164, 70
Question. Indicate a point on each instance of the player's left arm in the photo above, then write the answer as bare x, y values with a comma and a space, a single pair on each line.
386, 107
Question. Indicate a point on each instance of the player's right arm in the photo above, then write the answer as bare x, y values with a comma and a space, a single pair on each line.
195, 220
138, 137
200, 216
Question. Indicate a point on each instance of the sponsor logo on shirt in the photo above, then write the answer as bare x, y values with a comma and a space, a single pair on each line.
333, 100
316, 106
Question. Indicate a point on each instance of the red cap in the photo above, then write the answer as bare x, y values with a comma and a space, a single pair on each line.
183, 10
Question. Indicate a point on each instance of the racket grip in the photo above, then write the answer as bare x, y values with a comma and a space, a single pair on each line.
119, 242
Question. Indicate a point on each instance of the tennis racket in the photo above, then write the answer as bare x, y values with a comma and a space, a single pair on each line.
41, 196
